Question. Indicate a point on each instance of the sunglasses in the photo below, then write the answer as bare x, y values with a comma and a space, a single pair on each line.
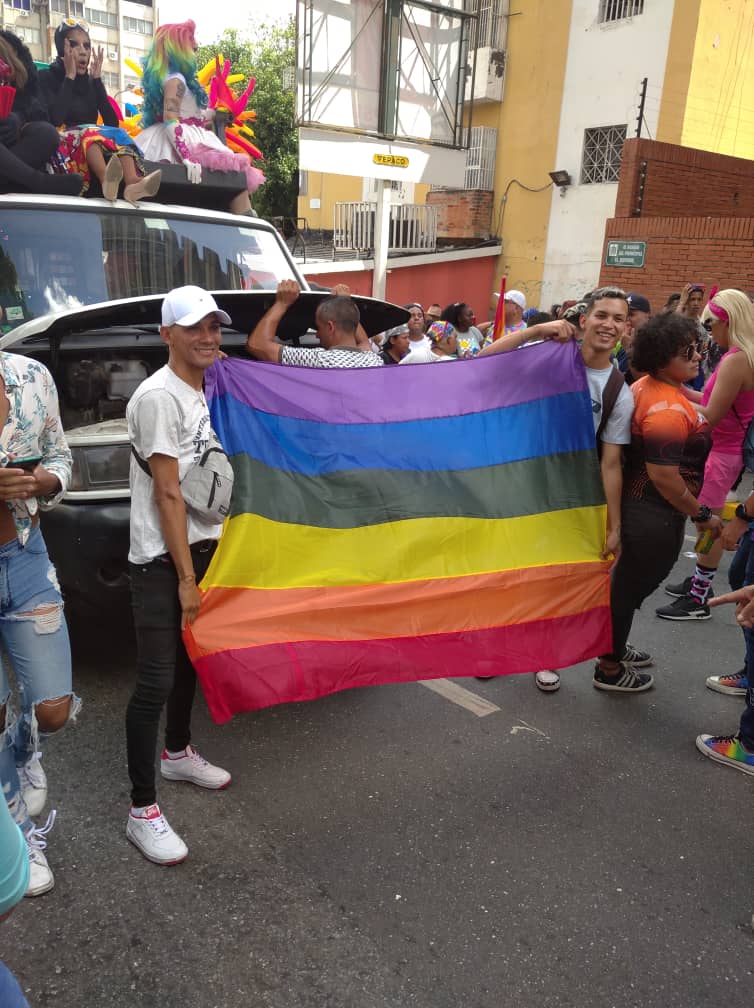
75, 23
694, 348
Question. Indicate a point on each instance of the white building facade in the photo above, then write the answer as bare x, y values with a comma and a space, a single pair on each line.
612, 46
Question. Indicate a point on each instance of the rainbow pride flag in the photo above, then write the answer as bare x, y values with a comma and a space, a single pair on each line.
402, 523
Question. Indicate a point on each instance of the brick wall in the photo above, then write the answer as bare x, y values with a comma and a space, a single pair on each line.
463, 214
696, 216
682, 249
682, 182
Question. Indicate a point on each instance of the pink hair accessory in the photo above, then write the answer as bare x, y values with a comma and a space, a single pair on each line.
718, 311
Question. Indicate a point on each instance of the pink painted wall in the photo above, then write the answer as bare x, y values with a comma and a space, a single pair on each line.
470, 280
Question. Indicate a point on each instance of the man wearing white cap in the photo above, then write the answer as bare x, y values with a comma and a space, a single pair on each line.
514, 305
171, 547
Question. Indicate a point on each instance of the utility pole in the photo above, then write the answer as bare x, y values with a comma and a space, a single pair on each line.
642, 100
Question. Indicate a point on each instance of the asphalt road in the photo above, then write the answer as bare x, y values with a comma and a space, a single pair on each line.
387, 847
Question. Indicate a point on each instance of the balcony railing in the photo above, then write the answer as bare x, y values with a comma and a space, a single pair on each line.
413, 227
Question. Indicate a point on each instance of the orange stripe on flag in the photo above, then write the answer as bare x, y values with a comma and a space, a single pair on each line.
252, 617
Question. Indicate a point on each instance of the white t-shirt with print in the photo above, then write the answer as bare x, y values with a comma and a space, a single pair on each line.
165, 417
618, 427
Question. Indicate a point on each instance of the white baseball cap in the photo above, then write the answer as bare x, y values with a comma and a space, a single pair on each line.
517, 297
185, 306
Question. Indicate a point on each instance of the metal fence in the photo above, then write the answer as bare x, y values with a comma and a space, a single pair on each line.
413, 227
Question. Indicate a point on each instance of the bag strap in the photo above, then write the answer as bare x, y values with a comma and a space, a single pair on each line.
610, 394
143, 464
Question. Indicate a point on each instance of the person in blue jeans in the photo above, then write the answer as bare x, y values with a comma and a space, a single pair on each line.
35, 469
737, 750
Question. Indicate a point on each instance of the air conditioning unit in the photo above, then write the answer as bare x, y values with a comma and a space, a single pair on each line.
22, 13
112, 55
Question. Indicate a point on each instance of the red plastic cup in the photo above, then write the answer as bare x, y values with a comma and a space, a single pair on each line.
7, 96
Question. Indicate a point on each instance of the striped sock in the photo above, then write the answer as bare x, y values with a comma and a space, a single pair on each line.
701, 583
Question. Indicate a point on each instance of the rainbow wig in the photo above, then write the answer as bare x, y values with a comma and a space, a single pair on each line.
172, 51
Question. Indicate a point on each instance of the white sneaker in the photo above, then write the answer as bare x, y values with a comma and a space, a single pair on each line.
195, 769
41, 879
152, 834
33, 781
547, 680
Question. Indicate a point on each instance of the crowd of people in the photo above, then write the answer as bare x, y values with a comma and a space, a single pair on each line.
63, 129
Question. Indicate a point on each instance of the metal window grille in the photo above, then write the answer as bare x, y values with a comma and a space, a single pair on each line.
602, 153
480, 159
488, 30
617, 10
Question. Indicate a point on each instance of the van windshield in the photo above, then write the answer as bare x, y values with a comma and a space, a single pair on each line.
52, 259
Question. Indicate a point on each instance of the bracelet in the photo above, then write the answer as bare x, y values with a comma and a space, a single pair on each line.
188, 577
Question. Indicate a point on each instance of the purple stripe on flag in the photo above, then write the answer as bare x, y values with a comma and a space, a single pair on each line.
407, 392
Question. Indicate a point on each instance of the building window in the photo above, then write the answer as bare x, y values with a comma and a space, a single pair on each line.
110, 80
101, 17
71, 8
137, 25
31, 36
480, 159
602, 150
617, 10
19, 4
488, 30
303, 183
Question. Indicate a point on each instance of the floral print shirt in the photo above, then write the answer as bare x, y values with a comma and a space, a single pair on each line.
33, 428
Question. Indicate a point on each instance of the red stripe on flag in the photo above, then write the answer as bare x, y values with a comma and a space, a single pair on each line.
250, 678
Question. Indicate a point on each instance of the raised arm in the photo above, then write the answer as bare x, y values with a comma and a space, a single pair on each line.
559, 331
262, 342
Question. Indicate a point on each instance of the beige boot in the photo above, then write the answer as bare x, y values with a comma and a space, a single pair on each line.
113, 178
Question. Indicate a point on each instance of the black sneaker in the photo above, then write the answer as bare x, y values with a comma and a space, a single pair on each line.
685, 608
625, 680
680, 589
635, 658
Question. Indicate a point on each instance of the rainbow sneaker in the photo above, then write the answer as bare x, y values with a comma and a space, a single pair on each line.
726, 749
736, 684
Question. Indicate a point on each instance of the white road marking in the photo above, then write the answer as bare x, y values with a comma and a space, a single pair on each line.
527, 727
461, 696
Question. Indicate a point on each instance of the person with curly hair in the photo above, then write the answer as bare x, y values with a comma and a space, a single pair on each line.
461, 317
75, 95
27, 138
664, 469
175, 119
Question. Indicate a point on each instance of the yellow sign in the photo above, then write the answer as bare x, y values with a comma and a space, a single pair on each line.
394, 160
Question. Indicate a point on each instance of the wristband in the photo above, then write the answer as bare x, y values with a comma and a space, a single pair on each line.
742, 513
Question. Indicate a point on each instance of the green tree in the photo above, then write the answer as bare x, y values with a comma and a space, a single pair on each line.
270, 57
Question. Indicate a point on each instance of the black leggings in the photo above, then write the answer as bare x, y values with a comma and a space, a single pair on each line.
34, 148
651, 540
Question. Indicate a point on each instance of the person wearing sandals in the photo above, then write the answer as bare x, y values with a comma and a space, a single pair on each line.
664, 469
75, 95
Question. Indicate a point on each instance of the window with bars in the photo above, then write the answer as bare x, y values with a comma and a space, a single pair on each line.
480, 159
101, 17
603, 146
617, 10
488, 29
137, 25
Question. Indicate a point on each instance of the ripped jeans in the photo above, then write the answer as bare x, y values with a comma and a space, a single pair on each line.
39, 652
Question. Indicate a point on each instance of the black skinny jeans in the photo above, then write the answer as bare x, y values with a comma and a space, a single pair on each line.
164, 673
651, 538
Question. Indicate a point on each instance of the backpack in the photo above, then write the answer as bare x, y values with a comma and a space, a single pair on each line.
207, 486
610, 394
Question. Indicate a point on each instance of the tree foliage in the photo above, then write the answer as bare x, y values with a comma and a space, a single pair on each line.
267, 57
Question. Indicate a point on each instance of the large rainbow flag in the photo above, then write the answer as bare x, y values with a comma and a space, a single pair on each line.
402, 523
